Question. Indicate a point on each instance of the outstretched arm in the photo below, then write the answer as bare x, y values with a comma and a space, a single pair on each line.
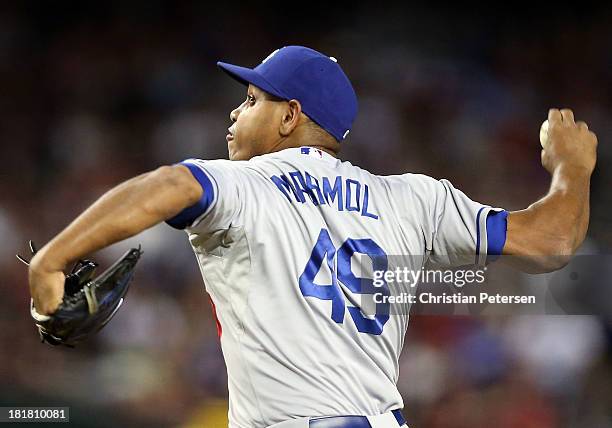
545, 235
124, 211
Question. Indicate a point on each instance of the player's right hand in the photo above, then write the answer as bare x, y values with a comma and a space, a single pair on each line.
567, 143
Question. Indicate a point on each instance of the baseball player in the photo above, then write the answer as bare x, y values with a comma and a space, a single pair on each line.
283, 232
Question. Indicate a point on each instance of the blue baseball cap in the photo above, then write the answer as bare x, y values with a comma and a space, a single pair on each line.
315, 80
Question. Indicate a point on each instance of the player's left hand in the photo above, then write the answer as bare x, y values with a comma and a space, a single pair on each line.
67, 309
46, 285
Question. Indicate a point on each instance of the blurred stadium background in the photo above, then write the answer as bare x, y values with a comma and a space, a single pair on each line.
94, 94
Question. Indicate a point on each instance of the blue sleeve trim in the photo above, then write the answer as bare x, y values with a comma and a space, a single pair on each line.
190, 214
497, 225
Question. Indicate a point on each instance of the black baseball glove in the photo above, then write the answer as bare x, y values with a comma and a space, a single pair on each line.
88, 304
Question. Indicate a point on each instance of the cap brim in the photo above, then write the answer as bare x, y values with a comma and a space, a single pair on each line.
246, 75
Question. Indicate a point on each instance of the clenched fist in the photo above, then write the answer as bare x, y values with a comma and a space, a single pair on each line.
566, 143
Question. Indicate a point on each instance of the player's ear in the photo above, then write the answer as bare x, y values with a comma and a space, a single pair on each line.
290, 118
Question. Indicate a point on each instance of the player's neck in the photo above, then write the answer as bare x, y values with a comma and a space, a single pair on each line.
295, 143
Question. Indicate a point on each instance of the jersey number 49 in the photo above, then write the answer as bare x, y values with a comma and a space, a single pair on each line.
339, 264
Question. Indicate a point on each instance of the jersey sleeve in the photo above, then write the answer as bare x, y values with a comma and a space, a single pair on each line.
456, 229
220, 204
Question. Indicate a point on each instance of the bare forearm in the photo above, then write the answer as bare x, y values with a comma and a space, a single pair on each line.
556, 225
545, 235
569, 199
122, 212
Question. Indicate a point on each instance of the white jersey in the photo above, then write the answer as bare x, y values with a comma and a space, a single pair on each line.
280, 240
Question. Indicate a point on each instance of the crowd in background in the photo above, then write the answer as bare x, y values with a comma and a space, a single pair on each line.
93, 95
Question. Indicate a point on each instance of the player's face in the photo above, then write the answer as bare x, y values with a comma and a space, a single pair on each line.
255, 130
